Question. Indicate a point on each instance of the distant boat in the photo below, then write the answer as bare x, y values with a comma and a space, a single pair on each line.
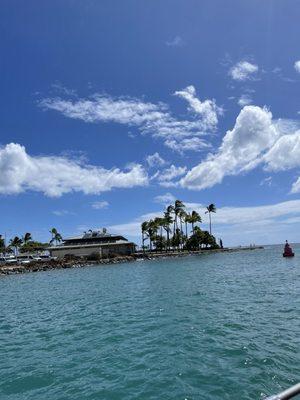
288, 252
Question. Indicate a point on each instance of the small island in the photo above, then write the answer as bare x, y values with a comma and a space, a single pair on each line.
177, 233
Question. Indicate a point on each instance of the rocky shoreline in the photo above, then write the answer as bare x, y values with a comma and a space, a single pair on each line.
59, 264
80, 263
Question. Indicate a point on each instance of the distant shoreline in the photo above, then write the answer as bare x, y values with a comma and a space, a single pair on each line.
75, 263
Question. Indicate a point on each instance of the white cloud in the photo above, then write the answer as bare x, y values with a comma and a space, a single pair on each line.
208, 109
241, 148
255, 139
244, 100
99, 205
190, 144
149, 118
155, 160
243, 70
176, 42
296, 186
165, 177
166, 198
55, 176
284, 154
297, 66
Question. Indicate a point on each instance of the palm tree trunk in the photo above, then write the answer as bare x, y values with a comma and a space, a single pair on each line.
181, 234
209, 223
143, 242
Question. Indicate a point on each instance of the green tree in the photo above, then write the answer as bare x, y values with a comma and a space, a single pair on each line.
210, 209
2, 244
144, 227
16, 243
178, 208
194, 218
168, 220
182, 215
27, 238
151, 231
56, 237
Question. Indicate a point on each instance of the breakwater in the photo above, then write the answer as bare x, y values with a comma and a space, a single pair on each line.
80, 263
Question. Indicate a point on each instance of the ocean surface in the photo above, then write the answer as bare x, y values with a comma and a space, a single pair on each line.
213, 326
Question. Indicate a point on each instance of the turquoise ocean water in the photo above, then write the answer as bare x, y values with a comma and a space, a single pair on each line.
218, 326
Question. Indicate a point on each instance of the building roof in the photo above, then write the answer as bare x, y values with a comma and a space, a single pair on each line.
96, 234
84, 245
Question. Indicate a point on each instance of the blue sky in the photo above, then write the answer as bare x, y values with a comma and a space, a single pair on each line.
112, 109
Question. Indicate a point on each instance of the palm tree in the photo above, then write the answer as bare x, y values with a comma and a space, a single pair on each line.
26, 238
178, 207
167, 222
2, 243
56, 237
210, 209
16, 242
187, 220
194, 218
144, 227
151, 231
159, 222
182, 214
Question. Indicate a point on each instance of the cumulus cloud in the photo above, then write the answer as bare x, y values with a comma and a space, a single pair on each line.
255, 139
55, 176
243, 71
285, 154
241, 148
208, 109
155, 160
99, 205
297, 66
149, 118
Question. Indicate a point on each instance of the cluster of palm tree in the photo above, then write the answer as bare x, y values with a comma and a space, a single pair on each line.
177, 230
26, 243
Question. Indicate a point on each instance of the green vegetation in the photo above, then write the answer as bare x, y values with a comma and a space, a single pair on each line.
26, 244
56, 237
177, 230
2, 244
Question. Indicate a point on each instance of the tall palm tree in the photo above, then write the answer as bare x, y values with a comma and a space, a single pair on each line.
194, 218
159, 222
167, 225
151, 231
56, 237
16, 242
2, 243
187, 220
178, 207
182, 214
27, 237
144, 227
210, 209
